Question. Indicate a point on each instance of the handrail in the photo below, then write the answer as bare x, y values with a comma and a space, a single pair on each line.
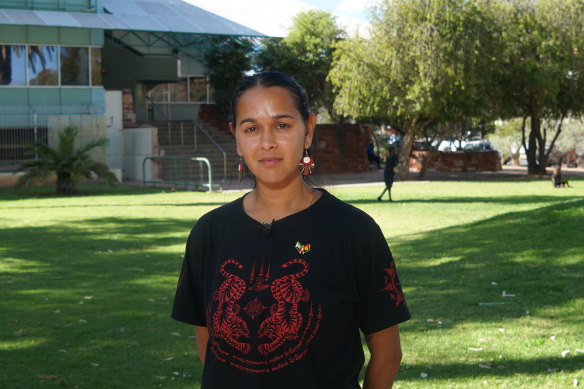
209, 185
155, 105
197, 125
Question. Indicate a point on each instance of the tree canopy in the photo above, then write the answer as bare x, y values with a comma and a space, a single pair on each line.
227, 59
307, 53
446, 62
540, 77
425, 63
432, 67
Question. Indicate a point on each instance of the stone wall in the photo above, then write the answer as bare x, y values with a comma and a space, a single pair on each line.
457, 161
340, 148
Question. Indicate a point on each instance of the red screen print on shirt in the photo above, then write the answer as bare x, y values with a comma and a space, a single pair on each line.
227, 323
284, 330
392, 284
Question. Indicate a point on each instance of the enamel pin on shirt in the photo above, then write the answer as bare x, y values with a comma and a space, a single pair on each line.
302, 248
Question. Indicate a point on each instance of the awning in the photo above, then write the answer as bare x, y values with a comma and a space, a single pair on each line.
169, 16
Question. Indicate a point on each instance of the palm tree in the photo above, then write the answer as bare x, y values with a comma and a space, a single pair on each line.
71, 166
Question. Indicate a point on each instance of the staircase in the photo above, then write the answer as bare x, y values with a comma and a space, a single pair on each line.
189, 139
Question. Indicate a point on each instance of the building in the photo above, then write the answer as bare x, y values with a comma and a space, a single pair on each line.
93, 64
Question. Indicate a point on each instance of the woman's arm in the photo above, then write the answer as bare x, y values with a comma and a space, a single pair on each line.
386, 355
202, 338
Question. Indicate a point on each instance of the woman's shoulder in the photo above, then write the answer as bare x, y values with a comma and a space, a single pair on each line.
340, 212
217, 217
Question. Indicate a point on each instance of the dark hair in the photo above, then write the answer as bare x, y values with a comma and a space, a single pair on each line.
269, 79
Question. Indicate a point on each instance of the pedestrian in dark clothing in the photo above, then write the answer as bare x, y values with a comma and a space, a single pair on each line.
372, 157
389, 172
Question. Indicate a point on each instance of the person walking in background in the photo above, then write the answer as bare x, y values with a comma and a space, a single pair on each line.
389, 172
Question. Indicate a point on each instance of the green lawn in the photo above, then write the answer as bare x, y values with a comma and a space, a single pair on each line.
86, 284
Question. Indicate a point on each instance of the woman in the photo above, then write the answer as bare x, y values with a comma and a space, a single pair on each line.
279, 282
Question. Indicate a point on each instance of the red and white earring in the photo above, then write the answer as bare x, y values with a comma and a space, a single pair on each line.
306, 164
240, 169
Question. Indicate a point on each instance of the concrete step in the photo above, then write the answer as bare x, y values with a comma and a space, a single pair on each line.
184, 139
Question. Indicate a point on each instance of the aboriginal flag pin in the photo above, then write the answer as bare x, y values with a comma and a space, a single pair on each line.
302, 248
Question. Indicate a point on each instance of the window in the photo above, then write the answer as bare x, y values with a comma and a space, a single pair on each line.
95, 66
31, 65
43, 65
75, 66
159, 93
12, 65
198, 89
189, 90
178, 91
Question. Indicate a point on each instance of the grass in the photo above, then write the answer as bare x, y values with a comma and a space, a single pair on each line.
86, 284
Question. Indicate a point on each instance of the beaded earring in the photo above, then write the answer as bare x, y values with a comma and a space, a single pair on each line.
240, 169
306, 164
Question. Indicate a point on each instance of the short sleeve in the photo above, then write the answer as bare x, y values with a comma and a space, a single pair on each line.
381, 300
188, 304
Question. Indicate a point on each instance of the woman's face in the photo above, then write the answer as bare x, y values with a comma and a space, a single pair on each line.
271, 134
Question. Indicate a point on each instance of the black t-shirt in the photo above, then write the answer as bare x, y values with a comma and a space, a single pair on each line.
284, 305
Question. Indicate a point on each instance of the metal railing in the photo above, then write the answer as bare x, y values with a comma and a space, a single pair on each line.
196, 126
155, 106
178, 178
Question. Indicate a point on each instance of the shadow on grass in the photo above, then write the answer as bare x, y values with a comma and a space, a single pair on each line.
100, 293
198, 204
500, 368
534, 199
535, 255
7, 194
90, 304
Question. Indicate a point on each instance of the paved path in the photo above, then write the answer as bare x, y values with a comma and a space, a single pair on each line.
375, 177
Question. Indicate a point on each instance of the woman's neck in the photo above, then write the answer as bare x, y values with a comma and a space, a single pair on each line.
267, 203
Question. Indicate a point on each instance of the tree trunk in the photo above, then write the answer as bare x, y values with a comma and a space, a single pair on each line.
65, 184
536, 151
558, 127
425, 162
403, 171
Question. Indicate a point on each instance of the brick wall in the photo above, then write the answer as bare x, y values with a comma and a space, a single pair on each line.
456, 161
337, 148
215, 115
340, 148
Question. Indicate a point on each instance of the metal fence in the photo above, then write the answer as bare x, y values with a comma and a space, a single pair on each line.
19, 130
17, 133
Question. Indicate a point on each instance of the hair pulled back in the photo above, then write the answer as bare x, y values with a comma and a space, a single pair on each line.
269, 79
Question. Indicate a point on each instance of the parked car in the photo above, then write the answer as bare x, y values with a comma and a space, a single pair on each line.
448, 145
478, 145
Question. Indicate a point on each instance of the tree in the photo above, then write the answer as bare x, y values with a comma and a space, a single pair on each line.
227, 59
572, 138
427, 62
507, 139
540, 77
307, 53
71, 166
